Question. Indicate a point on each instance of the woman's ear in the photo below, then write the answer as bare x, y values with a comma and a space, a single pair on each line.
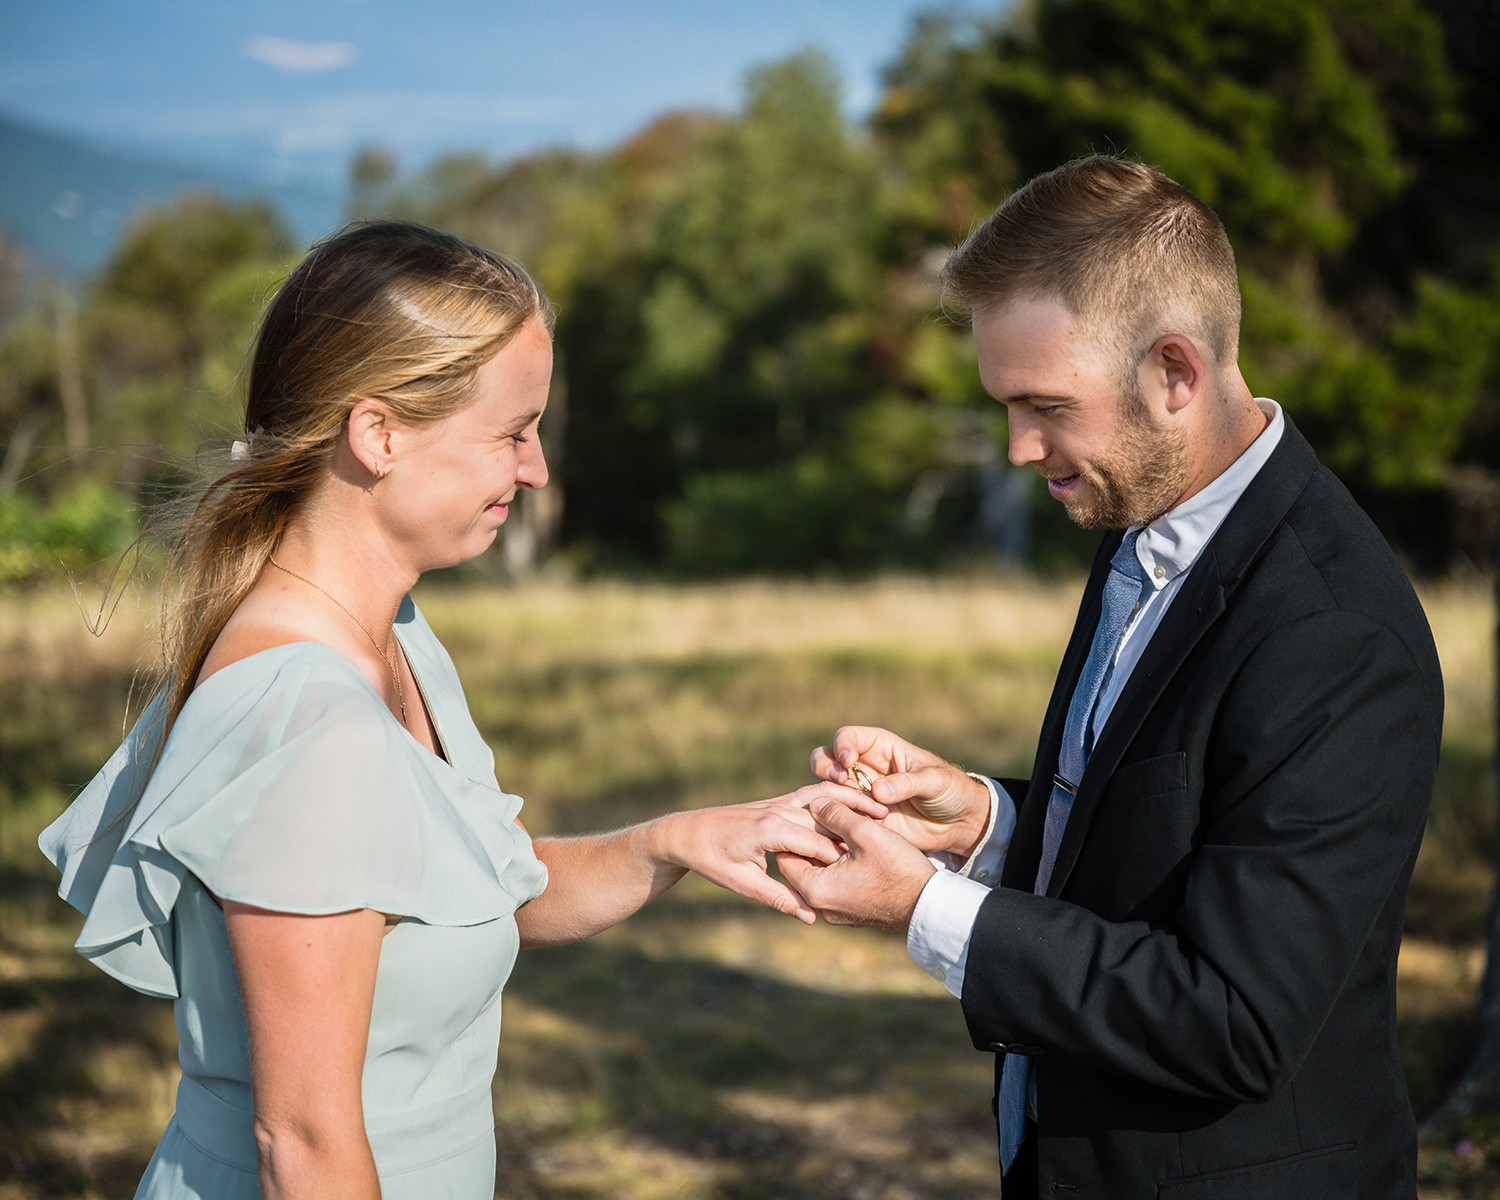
371, 431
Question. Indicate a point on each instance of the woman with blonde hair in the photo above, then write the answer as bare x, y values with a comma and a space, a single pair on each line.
302, 842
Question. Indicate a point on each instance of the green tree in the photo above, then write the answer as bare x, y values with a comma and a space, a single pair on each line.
172, 258
101, 398
1301, 123
372, 173
760, 324
719, 283
171, 316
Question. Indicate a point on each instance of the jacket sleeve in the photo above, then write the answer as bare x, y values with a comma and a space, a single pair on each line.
1311, 796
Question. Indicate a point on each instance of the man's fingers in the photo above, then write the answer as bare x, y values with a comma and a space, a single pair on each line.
852, 741
826, 766
839, 819
860, 802
799, 871
846, 770
923, 783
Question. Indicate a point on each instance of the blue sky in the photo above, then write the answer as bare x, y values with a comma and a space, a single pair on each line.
288, 89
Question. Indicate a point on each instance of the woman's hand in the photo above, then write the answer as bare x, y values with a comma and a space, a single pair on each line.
932, 803
309, 987
729, 845
598, 880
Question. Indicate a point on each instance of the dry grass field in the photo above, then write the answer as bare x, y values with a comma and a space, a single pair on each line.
706, 1048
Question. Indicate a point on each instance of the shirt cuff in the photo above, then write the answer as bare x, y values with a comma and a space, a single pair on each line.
941, 925
986, 863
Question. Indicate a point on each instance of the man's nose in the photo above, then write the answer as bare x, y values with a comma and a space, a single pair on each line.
1026, 444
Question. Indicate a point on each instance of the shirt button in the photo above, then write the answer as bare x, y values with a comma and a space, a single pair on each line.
939, 974
981, 875
1161, 571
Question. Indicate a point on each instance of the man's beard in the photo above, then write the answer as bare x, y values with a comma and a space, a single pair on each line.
1143, 476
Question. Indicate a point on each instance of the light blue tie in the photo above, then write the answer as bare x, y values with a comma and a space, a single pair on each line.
1122, 595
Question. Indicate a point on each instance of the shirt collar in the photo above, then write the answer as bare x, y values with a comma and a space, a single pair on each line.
1173, 542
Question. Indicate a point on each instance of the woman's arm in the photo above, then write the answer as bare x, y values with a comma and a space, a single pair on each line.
596, 881
309, 986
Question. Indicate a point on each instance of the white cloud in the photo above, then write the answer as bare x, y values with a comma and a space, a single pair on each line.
302, 57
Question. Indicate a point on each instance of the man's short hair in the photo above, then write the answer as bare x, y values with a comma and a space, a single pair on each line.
1130, 253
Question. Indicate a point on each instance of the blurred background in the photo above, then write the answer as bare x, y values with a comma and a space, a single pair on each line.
780, 498
740, 216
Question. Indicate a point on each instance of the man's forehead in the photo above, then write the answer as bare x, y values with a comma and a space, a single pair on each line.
1033, 332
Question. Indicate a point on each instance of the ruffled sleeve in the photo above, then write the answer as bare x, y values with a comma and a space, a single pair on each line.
285, 784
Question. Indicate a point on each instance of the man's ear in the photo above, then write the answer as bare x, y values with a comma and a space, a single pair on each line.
371, 432
1175, 369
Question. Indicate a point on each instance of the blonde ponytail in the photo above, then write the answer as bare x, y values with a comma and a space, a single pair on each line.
387, 310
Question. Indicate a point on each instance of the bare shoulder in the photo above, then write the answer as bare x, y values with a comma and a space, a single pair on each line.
265, 619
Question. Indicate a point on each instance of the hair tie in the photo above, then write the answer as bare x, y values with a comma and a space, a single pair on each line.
241, 451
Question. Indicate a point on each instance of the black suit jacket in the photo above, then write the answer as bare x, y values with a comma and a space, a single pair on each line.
1207, 991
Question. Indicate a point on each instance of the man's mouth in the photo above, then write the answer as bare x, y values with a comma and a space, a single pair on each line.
1061, 487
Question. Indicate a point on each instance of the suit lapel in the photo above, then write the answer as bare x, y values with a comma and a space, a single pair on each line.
1198, 605
1024, 855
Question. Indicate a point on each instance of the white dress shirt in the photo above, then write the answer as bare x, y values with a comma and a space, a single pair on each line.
943, 922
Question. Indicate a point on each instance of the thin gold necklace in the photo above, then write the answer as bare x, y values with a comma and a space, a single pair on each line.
388, 659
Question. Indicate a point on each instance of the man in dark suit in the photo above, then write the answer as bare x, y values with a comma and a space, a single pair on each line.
1188, 971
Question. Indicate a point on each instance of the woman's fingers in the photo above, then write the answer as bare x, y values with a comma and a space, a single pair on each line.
755, 884
816, 793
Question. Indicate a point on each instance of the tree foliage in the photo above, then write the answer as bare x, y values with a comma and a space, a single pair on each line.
1306, 126
142, 367
171, 317
753, 372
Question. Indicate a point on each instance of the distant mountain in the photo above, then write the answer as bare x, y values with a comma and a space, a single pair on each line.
68, 202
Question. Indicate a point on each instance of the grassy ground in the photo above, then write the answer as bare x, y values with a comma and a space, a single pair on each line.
706, 1048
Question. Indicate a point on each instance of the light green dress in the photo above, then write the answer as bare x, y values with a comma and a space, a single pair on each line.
287, 784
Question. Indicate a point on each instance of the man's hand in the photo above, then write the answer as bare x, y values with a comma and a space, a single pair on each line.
875, 882
728, 845
933, 804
